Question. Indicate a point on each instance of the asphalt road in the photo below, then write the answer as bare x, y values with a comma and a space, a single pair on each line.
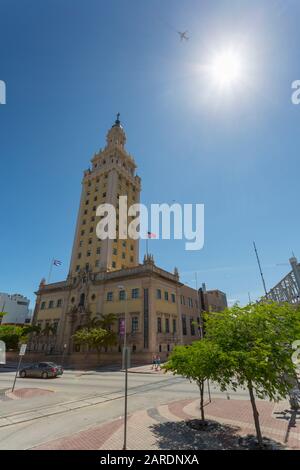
79, 400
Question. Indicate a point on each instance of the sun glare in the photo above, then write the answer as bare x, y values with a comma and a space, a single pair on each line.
226, 68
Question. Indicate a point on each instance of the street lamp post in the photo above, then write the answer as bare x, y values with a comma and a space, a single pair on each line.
125, 358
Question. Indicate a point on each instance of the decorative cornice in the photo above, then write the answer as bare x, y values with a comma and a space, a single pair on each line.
102, 277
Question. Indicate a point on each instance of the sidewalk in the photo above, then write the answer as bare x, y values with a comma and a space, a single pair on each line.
165, 427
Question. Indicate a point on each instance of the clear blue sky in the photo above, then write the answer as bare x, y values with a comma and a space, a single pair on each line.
70, 65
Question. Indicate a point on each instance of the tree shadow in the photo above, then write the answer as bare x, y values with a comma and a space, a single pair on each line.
188, 435
291, 416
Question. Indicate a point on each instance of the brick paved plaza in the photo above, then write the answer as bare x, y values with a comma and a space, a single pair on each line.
162, 427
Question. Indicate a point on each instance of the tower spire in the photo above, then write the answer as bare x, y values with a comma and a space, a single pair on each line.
117, 121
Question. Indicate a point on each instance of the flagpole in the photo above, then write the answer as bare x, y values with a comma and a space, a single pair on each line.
147, 244
50, 270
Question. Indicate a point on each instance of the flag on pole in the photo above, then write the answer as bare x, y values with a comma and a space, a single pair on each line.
151, 235
56, 262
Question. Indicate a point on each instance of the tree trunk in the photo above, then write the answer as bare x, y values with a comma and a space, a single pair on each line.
201, 388
255, 415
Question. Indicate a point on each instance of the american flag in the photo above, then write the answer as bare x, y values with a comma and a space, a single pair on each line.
151, 235
56, 262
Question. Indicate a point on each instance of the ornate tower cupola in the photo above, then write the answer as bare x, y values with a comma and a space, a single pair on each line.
116, 136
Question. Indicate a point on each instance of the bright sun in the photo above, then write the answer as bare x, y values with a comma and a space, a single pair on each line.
226, 68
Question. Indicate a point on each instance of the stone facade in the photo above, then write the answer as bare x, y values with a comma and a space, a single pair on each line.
156, 317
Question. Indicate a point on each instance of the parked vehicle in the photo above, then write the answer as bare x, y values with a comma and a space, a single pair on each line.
44, 370
59, 368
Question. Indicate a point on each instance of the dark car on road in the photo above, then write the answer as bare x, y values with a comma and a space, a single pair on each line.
44, 370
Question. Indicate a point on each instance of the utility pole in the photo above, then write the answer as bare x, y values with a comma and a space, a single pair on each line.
260, 270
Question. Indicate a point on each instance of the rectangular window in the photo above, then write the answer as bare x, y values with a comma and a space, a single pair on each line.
167, 325
174, 326
59, 303
109, 296
135, 293
55, 326
43, 305
166, 295
113, 264
134, 324
115, 252
192, 326
173, 298
158, 293
159, 325
123, 255
51, 304
122, 295
98, 250
184, 331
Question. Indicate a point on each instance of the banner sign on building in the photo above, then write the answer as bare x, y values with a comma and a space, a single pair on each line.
122, 327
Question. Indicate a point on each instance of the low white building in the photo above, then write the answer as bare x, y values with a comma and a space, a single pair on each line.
16, 307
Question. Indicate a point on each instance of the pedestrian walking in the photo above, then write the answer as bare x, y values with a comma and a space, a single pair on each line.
158, 363
153, 361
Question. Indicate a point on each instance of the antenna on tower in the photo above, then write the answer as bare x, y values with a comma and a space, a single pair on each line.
260, 270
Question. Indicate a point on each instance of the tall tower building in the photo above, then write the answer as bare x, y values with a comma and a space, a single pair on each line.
111, 175
158, 310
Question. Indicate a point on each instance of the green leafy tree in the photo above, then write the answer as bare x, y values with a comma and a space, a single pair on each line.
198, 362
256, 342
102, 321
11, 335
95, 338
29, 329
106, 321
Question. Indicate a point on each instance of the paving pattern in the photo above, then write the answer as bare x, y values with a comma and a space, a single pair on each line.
165, 427
21, 393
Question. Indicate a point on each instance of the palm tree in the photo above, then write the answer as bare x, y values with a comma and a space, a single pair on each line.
107, 320
92, 323
47, 331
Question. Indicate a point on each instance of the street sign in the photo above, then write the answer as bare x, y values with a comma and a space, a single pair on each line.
2, 352
22, 349
21, 354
